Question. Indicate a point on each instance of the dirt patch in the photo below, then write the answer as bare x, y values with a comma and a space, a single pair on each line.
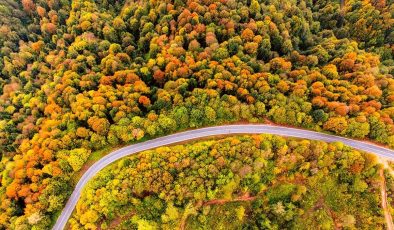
118, 220
244, 197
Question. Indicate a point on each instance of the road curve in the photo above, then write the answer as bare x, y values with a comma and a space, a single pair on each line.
205, 132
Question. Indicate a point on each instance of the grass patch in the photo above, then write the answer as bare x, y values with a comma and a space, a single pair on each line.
226, 216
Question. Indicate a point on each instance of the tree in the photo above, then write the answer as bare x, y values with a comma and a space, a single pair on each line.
99, 125
260, 108
196, 118
210, 115
28, 5
181, 115
34, 218
336, 124
280, 65
378, 130
48, 28
77, 157
247, 35
319, 115
145, 101
167, 123
255, 8
358, 129
283, 86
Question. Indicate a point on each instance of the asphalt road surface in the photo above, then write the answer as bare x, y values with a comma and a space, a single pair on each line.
205, 132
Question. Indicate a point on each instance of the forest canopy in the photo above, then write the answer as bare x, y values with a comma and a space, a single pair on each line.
239, 182
80, 76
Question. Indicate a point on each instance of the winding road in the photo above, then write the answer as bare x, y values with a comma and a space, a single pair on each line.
206, 132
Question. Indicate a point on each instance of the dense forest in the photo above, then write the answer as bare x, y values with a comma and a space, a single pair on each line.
78, 76
240, 182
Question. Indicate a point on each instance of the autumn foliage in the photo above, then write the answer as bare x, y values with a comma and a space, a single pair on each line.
80, 76
236, 182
